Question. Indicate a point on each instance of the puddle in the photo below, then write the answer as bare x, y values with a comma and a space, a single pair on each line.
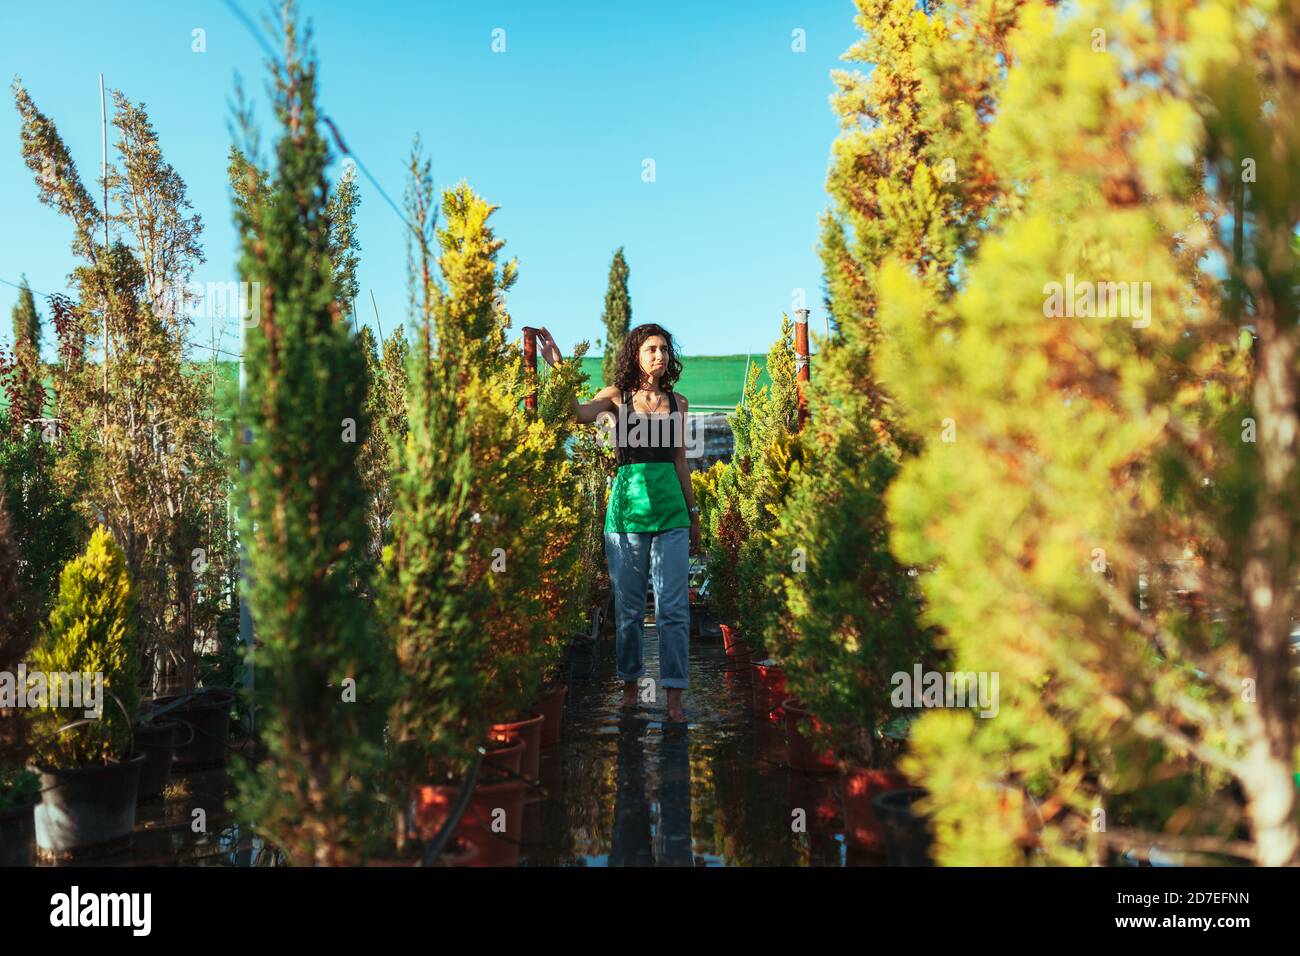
621, 789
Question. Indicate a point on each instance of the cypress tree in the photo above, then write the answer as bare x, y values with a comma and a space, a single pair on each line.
1108, 523
617, 314
320, 670
30, 391
92, 628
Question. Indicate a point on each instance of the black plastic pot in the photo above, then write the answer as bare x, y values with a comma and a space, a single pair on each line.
208, 716
87, 808
907, 834
18, 835
583, 656
157, 739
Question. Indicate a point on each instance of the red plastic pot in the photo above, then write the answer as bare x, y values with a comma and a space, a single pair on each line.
729, 636
802, 756
859, 788
551, 706
527, 729
493, 805
769, 688
739, 655
505, 757
458, 853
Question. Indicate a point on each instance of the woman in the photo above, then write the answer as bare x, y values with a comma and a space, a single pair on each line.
651, 523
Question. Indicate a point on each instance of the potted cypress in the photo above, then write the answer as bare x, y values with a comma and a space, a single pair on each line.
849, 614
89, 771
475, 549
323, 676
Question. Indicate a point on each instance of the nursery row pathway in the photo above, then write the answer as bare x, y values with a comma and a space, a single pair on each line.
621, 789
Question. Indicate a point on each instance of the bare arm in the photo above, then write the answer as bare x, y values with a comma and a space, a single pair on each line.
587, 413
583, 413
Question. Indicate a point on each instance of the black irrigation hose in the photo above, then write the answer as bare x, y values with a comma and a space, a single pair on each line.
463, 800
181, 720
434, 848
90, 720
184, 699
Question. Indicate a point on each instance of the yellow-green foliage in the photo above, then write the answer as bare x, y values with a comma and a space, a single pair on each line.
741, 497
483, 585
1078, 472
91, 629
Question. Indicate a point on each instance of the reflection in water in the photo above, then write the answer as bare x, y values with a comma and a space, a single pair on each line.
631, 808
621, 789
673, 846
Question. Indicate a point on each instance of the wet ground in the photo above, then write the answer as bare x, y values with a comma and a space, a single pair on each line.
623, 789
620, 789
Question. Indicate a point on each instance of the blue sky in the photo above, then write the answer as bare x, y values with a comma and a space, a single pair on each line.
554, 131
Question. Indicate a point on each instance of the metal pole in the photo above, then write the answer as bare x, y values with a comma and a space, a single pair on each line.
530, 361
103, 121
801, 361
245, 613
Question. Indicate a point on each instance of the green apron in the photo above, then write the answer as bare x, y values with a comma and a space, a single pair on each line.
647, 496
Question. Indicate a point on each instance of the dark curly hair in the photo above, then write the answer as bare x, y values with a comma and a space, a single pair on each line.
627, 371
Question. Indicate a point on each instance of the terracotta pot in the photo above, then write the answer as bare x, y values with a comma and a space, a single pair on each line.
859, 788
504, 757
802, 757
769, 688
493, 807
551, 706
528, 730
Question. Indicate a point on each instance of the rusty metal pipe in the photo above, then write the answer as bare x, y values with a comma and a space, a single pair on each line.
802, 362
530, 360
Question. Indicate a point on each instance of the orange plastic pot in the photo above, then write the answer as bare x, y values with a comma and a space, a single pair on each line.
859, 788
504, 757
527, 730
739, 656
551, 706
769, 688
457, 853
492, 823
729, 636
802, 756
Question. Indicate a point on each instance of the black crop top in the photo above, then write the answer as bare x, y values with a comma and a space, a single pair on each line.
645, 438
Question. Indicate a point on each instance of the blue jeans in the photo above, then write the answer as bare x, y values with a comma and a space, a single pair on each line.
661, 558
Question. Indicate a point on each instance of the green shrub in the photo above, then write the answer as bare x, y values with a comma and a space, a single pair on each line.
18, 788
92, 629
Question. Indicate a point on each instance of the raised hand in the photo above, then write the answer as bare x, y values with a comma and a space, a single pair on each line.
546, 346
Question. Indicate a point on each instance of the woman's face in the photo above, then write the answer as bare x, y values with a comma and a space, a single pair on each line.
654, 356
